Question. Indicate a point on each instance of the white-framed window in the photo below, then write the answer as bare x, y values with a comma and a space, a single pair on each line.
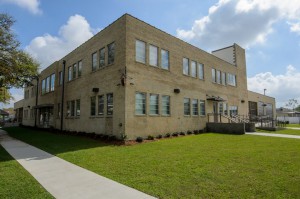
70, 73
74, 71
78, 107
185, 66
109, 104
79, 68
195, 107
165, 105
231, 79
140, 103
140, 51
94, 61
111, 53
218, 77
223, 79
193, 69
153, 55
102, 57
164, 59
213, 75
200, 71
202, 107
187, 106
101, 105
233, 110
93, 105
154, 107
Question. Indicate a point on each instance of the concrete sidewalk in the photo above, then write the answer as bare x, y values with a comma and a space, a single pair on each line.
63, 179
274, 135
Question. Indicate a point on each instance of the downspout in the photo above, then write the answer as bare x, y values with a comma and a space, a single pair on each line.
36, 100
62, 96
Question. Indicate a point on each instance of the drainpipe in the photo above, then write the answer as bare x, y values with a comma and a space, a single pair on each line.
36, 100
62, 96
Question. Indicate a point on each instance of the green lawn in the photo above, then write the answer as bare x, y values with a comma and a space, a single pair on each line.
293, 125
16, 182
284, 131
199, 166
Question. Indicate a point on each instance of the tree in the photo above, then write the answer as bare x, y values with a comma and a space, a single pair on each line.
17, 67
292, 103
298, 108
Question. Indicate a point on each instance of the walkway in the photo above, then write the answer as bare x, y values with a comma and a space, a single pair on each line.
63, 179
274, 135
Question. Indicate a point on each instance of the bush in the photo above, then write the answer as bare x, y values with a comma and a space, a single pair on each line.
150, 137
139, 139
175, 134
159, 136
123, 136
167, 135
112, 138
182, 133
105, 137
196, 132
189, 132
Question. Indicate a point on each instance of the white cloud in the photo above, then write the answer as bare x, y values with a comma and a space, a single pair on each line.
282, 87
47, 48
295, 27
246, 22
31, 5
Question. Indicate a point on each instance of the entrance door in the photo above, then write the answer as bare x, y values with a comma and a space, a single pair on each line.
215, 111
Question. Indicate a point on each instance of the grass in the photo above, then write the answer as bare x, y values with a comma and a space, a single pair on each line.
293, 125
16, 182
198, 166
284, 131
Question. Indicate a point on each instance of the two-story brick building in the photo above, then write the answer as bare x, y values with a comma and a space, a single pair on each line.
132, 78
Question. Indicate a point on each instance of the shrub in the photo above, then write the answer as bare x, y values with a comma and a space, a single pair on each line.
139, 139
189, 132
196, 132
112, 138
182, 133
150, 137
105, 137
167, 135
159, 136
175, 134
123, 136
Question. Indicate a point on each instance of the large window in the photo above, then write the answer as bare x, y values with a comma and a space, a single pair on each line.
110, 104
79, 68
153, 104
202, 107
93, 105
223, 78
195, 107
69, 73
231, 79
43, 86
140, 51
269, 110
52, 82
74, 71
187, 106
193, 69
102, 57
140, 103
164, 59
101, 105
73, 108
165, 105
60, 77
78, 107
225, 108
94, 61
218, 77
233, 110
200, 71
213, 75
111, 53
221, 107
68, 108
47, 84
185, 66
153, 55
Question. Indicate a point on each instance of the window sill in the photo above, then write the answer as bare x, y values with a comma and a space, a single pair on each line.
157, 115
144, 115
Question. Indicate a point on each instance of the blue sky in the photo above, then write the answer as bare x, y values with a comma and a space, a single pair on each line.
269, 30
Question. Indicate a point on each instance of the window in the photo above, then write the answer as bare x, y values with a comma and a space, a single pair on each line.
233, 110
164, 59
74, 71
70, 73
261, 108
153, 104
269, 110
165, 105
220, 107
43, 86
202, 107
140, 51
52, 82
68, 108
225, 108
231, 79
94, 61
195, 106
93, 105
153, 55
185, 66
48, 84
78, 107
79, 68
187, 106
213, 75
58, 110
102, 57
110, 104
60, 77
218, 77
200, 71
101, 105
72, 108
140, 103
111, 53
223, 78
193, 69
